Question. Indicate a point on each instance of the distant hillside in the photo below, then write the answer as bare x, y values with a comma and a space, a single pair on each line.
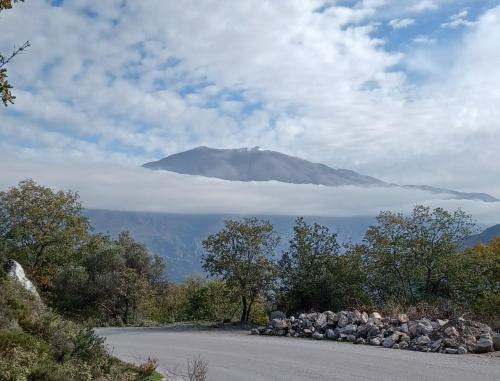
243, 164
258, 165
483, 237
178, 237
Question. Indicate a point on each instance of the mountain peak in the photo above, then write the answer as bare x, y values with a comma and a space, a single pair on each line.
257, 164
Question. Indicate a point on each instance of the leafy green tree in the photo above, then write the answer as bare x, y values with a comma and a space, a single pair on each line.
406, 256
41, 228
348, 280
112, 281
306, 267
241, 255
474, 280
5, 86
210, 300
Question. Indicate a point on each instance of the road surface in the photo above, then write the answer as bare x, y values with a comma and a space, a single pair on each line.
235, 355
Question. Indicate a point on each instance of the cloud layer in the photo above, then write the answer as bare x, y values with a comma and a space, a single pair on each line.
138, 189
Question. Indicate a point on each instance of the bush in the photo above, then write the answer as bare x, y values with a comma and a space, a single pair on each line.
72, 370
148, 367
36, 344
19, 352
259, 313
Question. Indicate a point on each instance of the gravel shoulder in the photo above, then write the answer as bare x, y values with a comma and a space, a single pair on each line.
236, 355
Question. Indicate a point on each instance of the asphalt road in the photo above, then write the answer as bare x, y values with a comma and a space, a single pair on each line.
235, 355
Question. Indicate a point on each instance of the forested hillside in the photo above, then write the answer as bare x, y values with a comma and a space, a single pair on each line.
178, 237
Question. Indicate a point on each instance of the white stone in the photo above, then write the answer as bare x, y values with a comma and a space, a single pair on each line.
16, 271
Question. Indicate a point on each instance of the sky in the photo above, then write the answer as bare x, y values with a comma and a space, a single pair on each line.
406, 91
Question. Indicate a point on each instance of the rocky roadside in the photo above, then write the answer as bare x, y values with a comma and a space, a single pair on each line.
455, 336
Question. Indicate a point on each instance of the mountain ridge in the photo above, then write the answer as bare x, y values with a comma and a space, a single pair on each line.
484, 237
256, 164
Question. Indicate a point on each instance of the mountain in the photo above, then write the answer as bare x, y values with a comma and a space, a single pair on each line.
256, 164
454, 194
484, 237
178, 238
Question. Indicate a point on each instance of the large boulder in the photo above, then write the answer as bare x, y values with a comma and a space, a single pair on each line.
388, 342
343, 319
496, 341
320, 321
277, 315
421, 327
484, 344
15, 271
375, 315
454, 336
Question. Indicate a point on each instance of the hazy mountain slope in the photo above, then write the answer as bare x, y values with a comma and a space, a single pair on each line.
178, 237
484, 237
245, 164
454, 194
258, 165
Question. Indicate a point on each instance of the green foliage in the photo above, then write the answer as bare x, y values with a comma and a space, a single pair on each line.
195, 299
89, 347
36, 344
306, 267
474, 280
71, 370
113, 282
260, 313
19, 351
210, 300
241, 255
7, 4
406, 256
41, 229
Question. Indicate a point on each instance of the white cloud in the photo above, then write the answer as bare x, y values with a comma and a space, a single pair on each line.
136, 189
457, 20
401, 23
322, 86
426, 40
424, 5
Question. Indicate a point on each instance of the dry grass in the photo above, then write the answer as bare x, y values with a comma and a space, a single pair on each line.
148, 367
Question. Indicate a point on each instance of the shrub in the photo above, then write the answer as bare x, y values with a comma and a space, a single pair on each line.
148, 367
197, 369
19, 353
71, 370
259, 314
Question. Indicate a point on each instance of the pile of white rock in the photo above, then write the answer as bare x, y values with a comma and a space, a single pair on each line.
454, 336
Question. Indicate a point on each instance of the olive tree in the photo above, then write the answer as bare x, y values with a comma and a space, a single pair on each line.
241, 254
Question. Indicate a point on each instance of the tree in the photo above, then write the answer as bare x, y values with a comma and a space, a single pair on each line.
41, 228
111, 282
406, 255
306, 268
5, 86
241, 254
475, 279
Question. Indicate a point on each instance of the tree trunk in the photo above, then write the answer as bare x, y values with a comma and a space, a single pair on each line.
247, 317
428, 281
244, 311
